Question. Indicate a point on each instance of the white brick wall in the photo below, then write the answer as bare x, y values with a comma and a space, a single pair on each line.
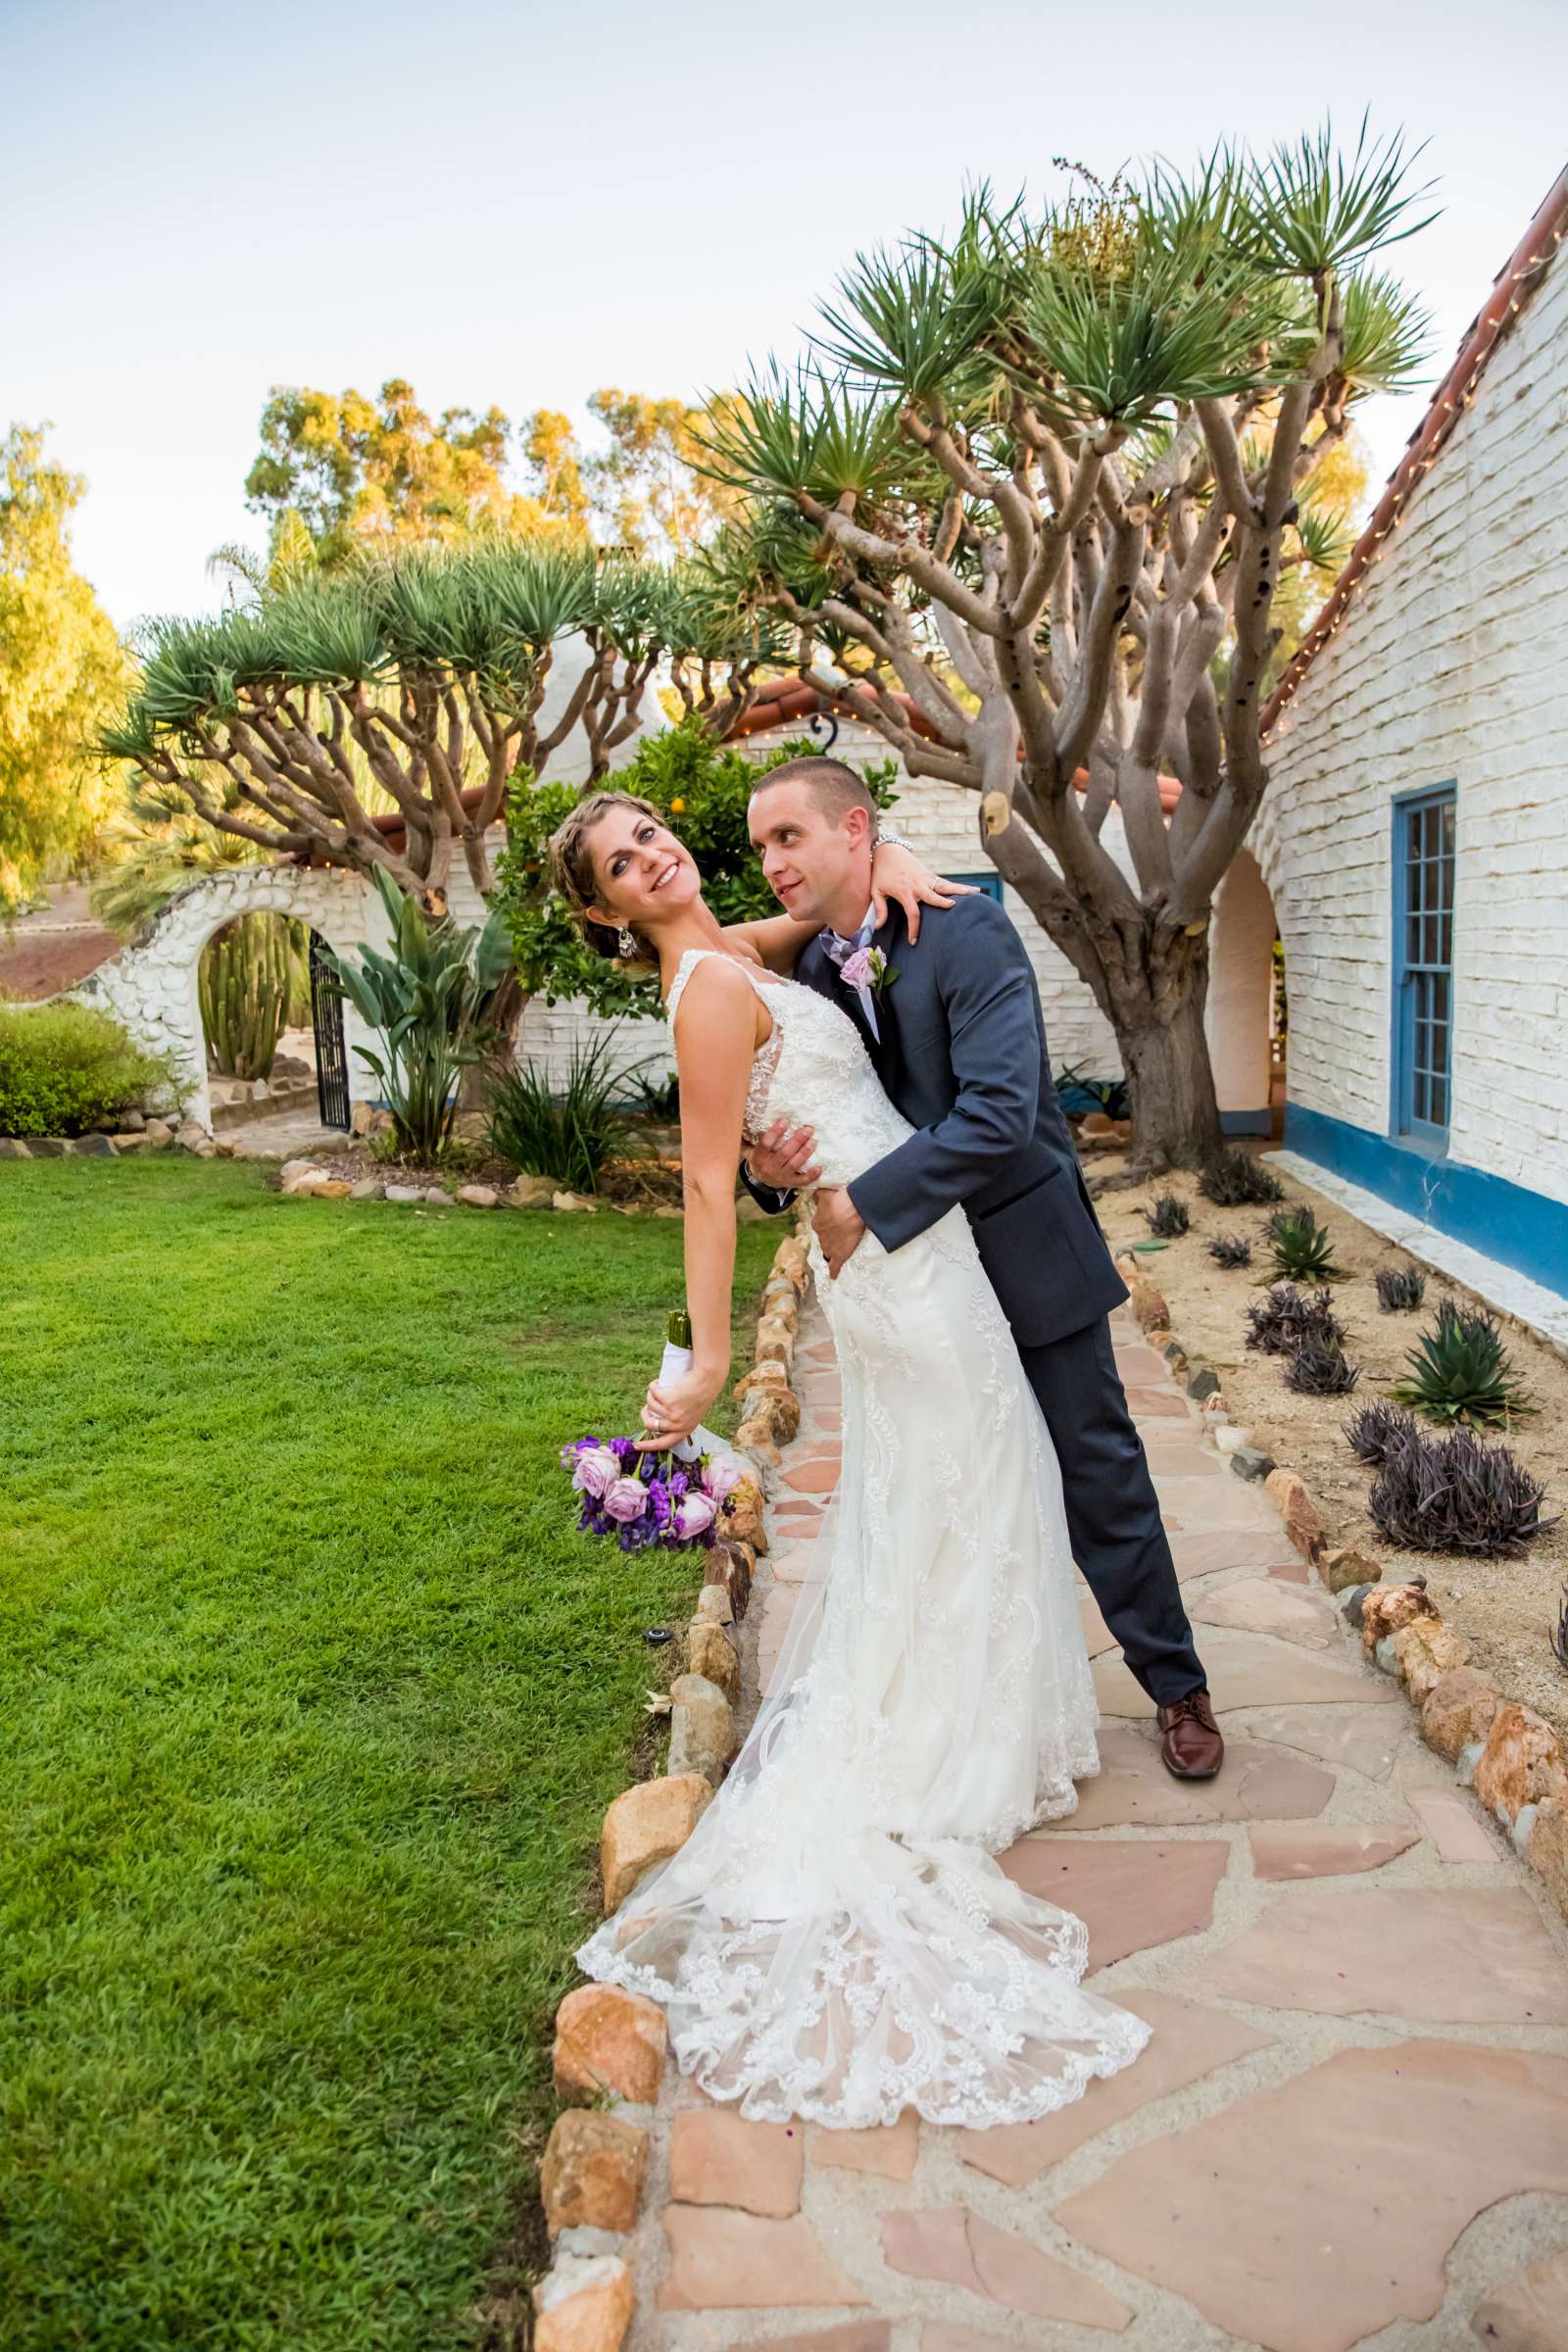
1449, 665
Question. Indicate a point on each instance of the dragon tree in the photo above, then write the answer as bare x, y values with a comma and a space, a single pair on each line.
1035, 495
375, 716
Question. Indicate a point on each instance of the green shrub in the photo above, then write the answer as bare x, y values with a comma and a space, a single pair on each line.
66, 1068
1301, 1247
565, 1133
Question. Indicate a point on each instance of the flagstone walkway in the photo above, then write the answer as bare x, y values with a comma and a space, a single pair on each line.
1350, 2126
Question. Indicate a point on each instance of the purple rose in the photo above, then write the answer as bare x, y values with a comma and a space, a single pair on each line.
625, 1499
858, 970
596, 1470
693, 1516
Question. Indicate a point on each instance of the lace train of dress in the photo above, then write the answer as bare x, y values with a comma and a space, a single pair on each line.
835, 1940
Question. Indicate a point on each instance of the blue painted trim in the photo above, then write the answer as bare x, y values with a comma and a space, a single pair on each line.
1245, 1122
990, 882
1403, 1121
1522, 1229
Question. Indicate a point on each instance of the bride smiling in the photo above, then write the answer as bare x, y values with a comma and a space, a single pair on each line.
835, 1940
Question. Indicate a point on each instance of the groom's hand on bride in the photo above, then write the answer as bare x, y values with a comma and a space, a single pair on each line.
896, 873
840, 1228
783, 1159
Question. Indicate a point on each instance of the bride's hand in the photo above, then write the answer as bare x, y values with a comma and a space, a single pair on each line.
896, 873
673, 1410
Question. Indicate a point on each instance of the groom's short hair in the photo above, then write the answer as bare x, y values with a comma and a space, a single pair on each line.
834, 788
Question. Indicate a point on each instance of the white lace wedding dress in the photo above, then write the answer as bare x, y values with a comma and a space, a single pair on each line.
834, 1939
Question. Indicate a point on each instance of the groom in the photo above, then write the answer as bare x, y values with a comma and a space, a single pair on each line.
954, 1026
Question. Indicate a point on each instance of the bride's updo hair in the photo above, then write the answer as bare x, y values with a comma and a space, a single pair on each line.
571, 870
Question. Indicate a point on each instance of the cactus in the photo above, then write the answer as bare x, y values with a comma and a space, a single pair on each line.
254, 984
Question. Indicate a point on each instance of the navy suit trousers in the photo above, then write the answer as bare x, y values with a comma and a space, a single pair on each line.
1113, 1517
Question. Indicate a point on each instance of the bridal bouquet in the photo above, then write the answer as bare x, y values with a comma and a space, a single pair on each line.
643, 1499
673, 1499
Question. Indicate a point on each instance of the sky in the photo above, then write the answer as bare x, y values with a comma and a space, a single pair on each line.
514, 205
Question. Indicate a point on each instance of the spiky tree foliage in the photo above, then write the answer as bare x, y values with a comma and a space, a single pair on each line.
1034, 498
409, 686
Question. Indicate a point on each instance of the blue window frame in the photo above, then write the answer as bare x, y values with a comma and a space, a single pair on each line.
1423, 964
990, 882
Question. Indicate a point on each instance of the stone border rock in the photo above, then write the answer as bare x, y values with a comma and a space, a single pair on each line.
150, 1135
611, 2045
1505, 1750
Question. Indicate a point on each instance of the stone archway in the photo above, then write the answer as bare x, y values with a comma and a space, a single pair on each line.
1241, 998
150, 989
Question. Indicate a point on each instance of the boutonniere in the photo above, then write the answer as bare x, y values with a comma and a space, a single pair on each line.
869, 968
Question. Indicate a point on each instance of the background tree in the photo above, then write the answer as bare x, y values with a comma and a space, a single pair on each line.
650, 489
408, 689
62, 669
359, 472
1040, 515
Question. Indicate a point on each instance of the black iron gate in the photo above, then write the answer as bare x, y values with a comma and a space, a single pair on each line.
331, 1061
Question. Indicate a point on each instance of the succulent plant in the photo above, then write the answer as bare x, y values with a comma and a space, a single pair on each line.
1302, 1249
1285, 1318
1456, 1494
1231, 1249
1460, 1371
1238, 1180
1168, 1218
1318, 1368
1559, 1632
1377, 1429
1400, 1288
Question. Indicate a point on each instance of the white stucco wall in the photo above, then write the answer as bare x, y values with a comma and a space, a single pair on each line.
1449, 665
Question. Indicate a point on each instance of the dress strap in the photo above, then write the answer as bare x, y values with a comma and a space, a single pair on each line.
683, 972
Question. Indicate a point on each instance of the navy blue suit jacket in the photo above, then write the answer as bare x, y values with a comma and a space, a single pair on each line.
961, 1052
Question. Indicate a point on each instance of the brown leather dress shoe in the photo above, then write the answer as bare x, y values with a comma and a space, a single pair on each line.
1191, 1744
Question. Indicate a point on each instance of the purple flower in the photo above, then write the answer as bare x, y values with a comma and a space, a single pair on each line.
597, 1469
693, 1516
857, 970
625, 1499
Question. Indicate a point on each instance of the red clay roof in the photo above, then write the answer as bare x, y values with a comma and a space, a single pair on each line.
1511, 290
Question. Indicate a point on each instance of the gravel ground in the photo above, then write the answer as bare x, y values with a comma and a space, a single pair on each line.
1505, 1608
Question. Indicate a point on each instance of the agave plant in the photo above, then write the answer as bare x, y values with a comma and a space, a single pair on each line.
1231, 1249
1400, 1288
1374, 1433
566, 1132
1456, 1494
1302, 1249
1460, 1371
1168, 1217
1238, 1180
426, 999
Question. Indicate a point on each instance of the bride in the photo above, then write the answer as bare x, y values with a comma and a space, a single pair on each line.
835, 1940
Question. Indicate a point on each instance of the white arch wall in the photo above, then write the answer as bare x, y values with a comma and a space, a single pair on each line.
150, 988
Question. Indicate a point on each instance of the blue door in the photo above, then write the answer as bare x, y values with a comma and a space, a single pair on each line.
1423, 965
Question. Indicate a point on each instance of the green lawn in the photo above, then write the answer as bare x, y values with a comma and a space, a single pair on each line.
310, 1705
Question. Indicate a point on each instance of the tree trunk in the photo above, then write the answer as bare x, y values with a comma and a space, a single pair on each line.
1174, 1110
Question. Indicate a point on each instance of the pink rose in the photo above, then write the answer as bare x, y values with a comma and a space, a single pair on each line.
596, 1468
625, 1499
694, 1515
722, 1476
857, 970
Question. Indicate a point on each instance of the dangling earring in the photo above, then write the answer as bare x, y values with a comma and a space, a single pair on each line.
626, 942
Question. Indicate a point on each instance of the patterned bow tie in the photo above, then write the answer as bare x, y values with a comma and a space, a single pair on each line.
838, 950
